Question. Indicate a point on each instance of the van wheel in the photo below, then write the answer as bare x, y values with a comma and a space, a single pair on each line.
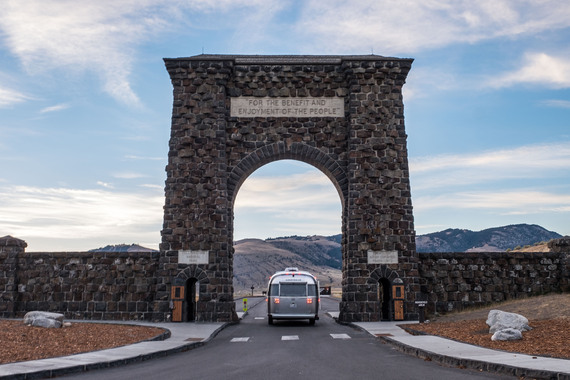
311, 321
270, 320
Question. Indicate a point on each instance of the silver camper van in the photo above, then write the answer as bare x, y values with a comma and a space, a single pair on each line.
293, 294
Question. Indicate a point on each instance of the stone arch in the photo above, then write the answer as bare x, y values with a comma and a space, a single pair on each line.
233, 114
281, 151
193, 271
382, 272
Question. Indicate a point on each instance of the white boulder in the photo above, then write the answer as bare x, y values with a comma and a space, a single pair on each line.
499, 320
43, 319
507, 334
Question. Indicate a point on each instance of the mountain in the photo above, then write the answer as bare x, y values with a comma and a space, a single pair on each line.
497, 239
123, 248
255, 260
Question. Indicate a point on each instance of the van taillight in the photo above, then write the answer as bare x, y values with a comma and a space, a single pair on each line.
276, 300
309, 300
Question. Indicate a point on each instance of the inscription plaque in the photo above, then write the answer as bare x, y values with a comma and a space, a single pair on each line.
382, 257
250, 106
193, 257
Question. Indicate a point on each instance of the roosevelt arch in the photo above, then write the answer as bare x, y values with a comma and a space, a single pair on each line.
340, 114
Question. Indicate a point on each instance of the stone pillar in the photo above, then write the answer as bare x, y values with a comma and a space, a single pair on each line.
10, 249
196, 210
380, 220
562, 246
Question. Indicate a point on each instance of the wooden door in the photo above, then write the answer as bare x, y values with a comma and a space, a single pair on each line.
177, 297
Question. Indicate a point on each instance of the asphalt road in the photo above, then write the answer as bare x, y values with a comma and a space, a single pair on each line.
254, 350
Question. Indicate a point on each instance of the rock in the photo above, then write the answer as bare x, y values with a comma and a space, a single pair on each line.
499, 320
43, 319
507, 334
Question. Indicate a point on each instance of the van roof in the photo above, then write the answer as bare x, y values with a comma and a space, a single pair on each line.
295, 272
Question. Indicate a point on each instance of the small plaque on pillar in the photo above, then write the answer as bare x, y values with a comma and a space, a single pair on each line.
382, 257
193, 257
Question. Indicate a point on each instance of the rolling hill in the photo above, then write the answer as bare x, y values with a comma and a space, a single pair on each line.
255, 259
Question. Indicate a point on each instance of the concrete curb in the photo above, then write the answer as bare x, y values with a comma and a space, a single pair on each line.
55, 372
474, 364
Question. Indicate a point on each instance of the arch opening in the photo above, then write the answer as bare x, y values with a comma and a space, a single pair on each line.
384, 299
284, 207
192, 294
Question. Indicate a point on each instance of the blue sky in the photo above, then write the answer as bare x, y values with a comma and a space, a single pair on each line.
85, 106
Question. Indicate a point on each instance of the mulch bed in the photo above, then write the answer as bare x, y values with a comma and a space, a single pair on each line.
547, 338
21, 343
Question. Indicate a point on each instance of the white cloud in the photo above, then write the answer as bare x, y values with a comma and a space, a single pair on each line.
414, 25
100, 36
531, 162
538, 68
9, 97
105, 184
129, 175
278, 194
33, 213
56, 108
556, 103
133, 157
519, 202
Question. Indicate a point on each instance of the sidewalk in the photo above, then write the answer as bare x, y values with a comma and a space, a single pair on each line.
458, 354
183, 337
186, 336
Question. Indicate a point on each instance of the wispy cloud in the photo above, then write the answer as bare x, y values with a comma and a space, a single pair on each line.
556, 103
56, 108
301, 191
99, 36
298, 204
533, 161
105, 184
34, 213
538, 68
129, 175
519, 202
9, 97
415, 25
143, 158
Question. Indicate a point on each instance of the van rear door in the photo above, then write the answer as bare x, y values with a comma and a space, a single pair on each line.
294, 294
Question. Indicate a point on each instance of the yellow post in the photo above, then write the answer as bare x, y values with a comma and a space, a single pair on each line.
244, 305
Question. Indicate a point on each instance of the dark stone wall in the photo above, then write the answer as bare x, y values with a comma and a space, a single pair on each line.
454, 281
123, 286
86, 285
363, 152
10, 249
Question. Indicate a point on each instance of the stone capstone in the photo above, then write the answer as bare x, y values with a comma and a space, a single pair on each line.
43, 319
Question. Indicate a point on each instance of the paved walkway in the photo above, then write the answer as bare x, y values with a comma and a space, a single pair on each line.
185, 336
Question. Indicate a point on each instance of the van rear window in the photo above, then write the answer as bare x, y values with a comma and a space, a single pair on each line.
274, 290
312, 290
293, 290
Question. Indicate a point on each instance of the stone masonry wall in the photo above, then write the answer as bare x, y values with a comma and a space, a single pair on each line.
122, 286
362, 151
85, 285
453, 281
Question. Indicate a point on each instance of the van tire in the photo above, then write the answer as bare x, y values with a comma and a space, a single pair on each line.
311, 321
270, 319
